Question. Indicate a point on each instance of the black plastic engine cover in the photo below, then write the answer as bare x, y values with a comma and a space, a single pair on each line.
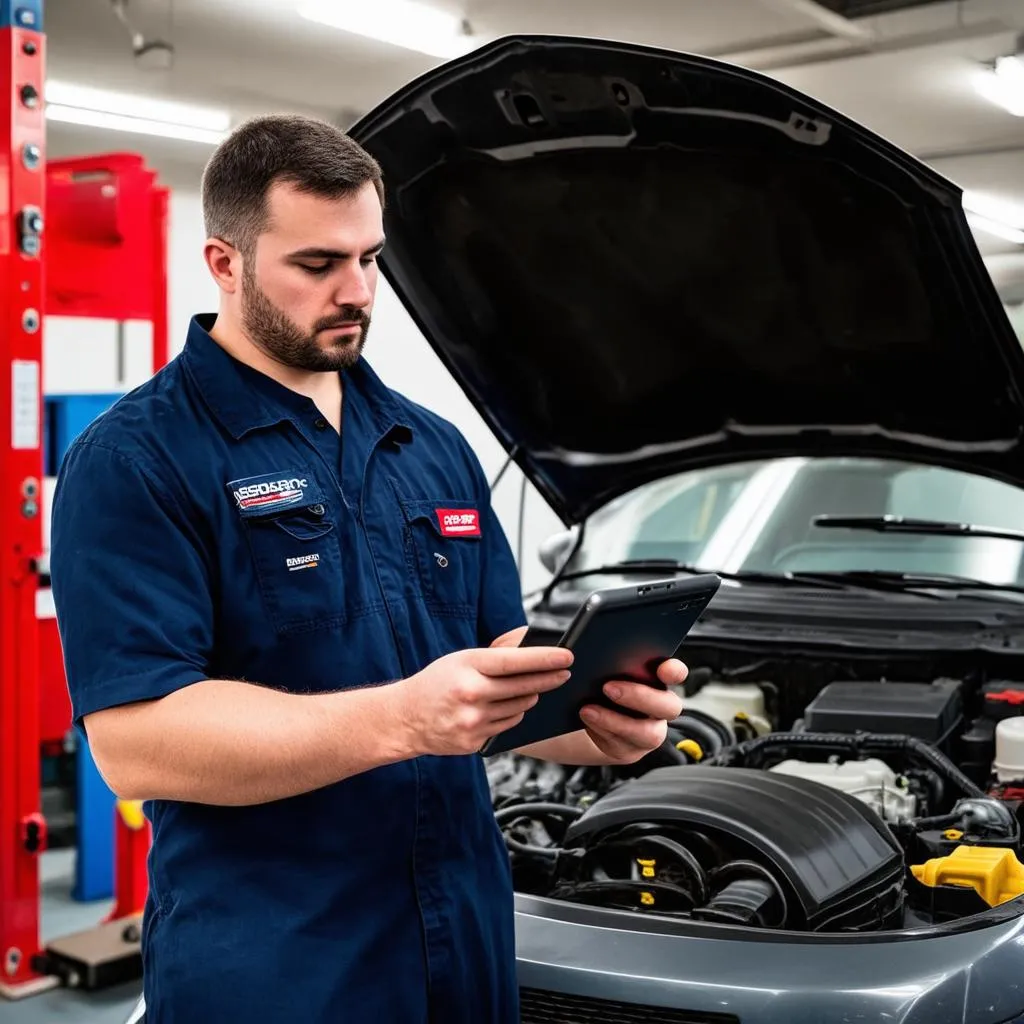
832, 852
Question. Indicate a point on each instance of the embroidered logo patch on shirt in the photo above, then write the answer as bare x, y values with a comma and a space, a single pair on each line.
268, 492
459, 522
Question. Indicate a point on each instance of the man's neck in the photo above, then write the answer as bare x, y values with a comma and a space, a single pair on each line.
324, 389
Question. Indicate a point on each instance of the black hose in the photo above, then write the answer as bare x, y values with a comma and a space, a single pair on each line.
712, 735
750, 753
744, 868
624, 886
687, 858
552, 852
538, 809
534, 810
672, 753
936, 789
938, 821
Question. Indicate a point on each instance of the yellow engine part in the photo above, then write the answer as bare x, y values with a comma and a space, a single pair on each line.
647, 867
692, 748
131, 813
993, 871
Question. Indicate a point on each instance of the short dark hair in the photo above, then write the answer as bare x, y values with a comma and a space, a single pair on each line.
315, 156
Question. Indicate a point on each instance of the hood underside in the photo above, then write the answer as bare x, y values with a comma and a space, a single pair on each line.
636, 262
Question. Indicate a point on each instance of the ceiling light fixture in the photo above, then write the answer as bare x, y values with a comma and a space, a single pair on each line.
406, 23
97, 108
995, 217
1004, 84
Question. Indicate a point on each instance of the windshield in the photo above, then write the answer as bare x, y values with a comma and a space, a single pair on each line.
1015, 311
757, 517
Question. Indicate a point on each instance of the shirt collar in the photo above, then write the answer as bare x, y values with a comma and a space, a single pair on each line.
243, 399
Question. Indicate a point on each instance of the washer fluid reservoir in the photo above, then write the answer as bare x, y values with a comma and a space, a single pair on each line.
1009, 760
725, 701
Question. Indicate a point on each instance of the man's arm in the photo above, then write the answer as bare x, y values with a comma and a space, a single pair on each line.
230, 743
133, 596
575, 748
223, 742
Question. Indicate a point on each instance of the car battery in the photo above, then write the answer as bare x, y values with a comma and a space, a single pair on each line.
931, 712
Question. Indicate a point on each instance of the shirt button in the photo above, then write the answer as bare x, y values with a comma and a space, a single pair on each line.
320, 423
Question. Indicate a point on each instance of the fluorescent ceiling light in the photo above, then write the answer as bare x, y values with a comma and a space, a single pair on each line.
1004, 85
406, 23
993, 227
995, 216
97, 108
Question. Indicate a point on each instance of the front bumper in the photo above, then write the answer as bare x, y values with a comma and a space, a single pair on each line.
966, 977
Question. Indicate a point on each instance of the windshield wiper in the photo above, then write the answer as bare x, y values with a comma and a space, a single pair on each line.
647, 566
925, 527
886, 579
846, 579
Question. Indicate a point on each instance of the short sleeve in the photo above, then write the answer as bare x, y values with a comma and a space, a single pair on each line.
130, 584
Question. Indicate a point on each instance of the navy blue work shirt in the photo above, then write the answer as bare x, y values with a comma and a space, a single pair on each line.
212, 525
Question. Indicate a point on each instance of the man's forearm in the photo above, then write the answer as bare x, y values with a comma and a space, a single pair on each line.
234, 743
574, 748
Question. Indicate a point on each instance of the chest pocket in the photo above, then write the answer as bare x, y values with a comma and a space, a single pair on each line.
293, 537
443, 550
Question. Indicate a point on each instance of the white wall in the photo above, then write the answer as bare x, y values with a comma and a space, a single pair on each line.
80, 355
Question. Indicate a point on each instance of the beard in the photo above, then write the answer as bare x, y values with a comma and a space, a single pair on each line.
273, 331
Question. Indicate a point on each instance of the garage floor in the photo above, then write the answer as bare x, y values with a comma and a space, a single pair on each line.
60, 916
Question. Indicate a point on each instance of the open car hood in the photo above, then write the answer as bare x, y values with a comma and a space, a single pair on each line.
635, 262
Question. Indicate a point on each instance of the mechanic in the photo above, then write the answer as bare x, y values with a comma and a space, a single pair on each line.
290, 619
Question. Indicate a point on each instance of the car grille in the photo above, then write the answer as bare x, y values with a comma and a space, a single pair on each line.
541, 1007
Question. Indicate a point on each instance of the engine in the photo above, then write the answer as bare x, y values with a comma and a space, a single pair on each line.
878, 806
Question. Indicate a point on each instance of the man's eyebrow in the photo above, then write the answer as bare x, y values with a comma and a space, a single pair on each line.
316, 253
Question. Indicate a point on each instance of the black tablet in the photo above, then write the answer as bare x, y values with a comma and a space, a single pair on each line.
619, 633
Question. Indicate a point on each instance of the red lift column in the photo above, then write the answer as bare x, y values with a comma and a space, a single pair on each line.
22, 194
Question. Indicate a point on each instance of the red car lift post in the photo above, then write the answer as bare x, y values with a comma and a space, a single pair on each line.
106, 258
22, 194
104, 251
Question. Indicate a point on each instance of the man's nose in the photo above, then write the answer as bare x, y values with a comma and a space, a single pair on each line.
353, 289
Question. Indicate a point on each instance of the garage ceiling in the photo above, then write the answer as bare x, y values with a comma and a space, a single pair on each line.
906, 68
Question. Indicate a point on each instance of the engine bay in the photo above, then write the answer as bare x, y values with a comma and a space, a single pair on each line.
799, 795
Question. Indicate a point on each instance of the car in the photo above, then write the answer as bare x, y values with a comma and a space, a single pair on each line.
723, 328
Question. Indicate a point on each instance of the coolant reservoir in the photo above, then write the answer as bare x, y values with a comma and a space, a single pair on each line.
725, 701
1009, 760
870, 780
993, 871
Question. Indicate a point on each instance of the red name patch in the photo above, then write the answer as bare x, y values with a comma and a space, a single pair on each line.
459, 522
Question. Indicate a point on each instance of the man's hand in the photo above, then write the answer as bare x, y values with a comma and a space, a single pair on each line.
617, 738
460, 701
624, 739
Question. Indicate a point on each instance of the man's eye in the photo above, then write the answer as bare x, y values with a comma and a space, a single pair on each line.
319, 268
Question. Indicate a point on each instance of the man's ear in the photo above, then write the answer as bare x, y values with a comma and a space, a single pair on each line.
225, 264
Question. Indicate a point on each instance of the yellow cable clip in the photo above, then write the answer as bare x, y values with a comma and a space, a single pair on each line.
131, 813
691, 747
647, 867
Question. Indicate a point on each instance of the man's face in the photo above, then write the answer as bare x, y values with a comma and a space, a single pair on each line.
307, 291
